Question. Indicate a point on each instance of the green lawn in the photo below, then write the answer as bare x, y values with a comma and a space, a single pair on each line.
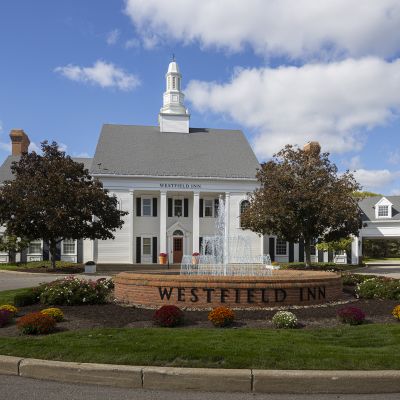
364, 347
7, 296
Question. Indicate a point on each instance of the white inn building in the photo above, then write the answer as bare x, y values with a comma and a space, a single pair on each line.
169, 178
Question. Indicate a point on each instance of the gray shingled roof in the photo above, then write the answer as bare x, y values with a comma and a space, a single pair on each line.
367, 206
5, 169
144, 150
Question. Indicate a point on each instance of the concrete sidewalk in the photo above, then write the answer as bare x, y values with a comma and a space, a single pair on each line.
205, 379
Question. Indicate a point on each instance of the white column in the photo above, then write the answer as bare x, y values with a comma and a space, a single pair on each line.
131, 238
355, 250
196, 222
227, 218
163, 222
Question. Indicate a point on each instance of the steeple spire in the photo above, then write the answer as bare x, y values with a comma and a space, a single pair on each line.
173, 117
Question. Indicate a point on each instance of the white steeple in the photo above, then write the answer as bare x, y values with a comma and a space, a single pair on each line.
174, 116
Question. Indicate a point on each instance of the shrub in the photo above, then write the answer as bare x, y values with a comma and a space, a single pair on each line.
318, 266
27, 299
5, 317
396, 312
221, 316
74, 291
354, 279
284, 319
379, 288
55, 313
36, 324
168, 316
12, 309
351, 315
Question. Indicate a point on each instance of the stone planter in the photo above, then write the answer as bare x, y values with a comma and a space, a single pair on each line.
90, 268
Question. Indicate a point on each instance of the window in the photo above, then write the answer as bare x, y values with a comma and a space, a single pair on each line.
383, 211
147, 207
243, 205
281, 247
69, 246
208, 207
173, 82
178, 207
313, 250
35, 247
146, 246
178, 232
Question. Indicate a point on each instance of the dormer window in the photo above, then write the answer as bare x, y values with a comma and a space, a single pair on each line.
383, 209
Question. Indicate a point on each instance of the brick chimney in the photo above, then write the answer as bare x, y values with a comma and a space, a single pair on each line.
312, 148
19, 141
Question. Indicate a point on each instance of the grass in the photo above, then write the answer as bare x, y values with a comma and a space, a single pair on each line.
365, 347
7, 296
39, 265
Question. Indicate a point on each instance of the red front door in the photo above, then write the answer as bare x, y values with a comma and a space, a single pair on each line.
178, 249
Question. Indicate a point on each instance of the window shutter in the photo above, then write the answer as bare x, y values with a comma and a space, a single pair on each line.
201, 208
216, 207
291, 251
330, 256
320, 256
272, 248
200, 243
301, 250
155, 250
138, 250
185, 207
138, 206
348, 252
154, 206
169, 207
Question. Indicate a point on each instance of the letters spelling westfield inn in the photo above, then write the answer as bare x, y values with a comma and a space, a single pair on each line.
169, 178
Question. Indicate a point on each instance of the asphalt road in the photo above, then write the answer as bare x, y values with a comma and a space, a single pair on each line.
17, 388
15, 280
387, 269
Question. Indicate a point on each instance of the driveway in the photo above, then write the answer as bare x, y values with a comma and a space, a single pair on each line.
15, 280
391, 270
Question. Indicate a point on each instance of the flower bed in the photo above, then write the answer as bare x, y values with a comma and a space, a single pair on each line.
168, 316
379, 288
221, 316
73, 291
36, 324
284, 319
351, 315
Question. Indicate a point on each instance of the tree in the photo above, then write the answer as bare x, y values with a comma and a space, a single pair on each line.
302, 197
12, 244
364, 194
53, 198
336, 245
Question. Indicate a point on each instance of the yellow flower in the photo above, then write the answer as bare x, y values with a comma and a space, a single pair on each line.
396, 312
54, 312
11, 308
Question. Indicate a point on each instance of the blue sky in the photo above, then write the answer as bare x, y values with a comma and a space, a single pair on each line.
283, 72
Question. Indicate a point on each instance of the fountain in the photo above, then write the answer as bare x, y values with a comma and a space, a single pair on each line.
225, 255
226, 273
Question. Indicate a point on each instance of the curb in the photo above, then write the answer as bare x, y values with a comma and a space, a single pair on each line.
205, 379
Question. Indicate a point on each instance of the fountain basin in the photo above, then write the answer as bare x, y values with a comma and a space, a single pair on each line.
282, 288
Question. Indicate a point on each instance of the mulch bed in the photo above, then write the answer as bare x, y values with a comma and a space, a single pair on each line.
120, 316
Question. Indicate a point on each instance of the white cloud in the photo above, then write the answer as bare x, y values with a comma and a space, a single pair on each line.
333, 103
6, 146
373, 179
113, 36
295, 28
103, 74
354, 163
83, 154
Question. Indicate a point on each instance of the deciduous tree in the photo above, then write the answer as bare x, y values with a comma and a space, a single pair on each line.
53, 198
302, 197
